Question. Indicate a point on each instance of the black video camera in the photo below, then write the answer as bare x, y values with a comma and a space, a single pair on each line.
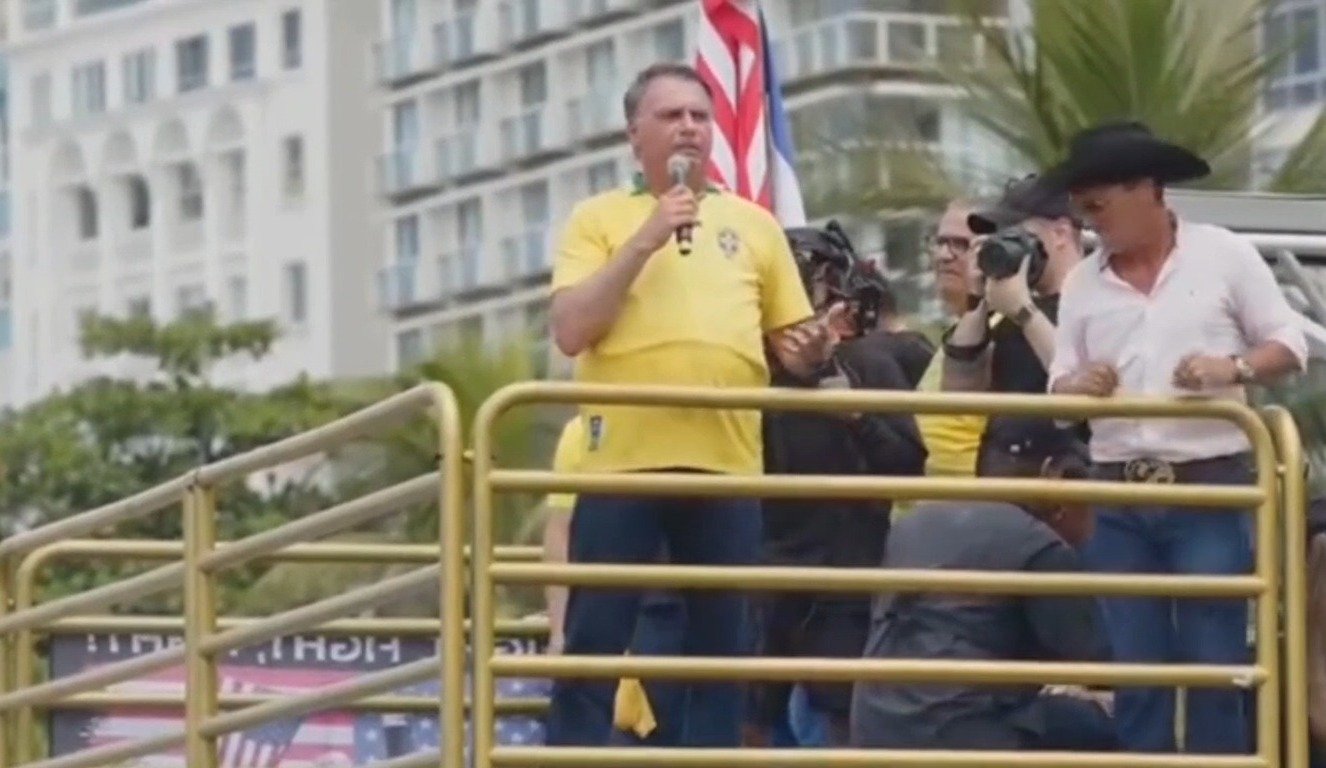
1001, 255
827, 260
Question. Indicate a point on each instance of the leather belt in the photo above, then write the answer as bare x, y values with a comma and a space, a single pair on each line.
1159, 471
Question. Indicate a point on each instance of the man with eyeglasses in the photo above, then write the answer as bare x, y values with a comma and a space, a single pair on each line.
951, 440
1004, 341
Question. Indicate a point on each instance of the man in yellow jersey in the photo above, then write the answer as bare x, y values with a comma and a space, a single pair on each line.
684, 284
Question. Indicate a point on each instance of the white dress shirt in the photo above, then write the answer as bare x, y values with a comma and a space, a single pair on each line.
1214, 296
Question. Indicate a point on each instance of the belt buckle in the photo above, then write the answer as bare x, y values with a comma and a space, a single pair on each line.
1155, 471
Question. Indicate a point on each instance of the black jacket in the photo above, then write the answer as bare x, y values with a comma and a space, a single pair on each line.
828, 532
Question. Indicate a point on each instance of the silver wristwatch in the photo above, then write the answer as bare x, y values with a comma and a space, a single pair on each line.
1244, 372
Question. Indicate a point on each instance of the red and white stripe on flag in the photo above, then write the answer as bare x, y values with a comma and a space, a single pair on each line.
733, 59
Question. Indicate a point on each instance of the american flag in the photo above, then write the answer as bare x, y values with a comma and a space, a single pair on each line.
753, 153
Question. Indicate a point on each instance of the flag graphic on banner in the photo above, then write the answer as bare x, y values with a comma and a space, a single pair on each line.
753, 154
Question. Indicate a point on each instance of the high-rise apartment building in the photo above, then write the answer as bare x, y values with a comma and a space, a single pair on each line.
176, 155
500, 114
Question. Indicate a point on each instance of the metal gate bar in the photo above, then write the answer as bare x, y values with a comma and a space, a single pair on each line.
490, 480
1293, 474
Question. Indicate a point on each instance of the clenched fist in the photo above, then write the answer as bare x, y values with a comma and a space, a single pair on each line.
676, 208
1094, 380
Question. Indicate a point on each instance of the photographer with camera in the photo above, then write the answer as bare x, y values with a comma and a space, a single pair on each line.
1030, 242
833, 533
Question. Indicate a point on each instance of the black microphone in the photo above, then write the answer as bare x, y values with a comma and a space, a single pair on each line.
679, 169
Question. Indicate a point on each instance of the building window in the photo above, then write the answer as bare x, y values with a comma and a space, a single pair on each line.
296, 291
409, 348
238, 290
407, 238
140, 203
292, 166
190, 300
533, 84
191, 192
292, 48
467, 104
243, 52
41, 99
602, 176
86, 201
140, 69
191, 63
670, 41
88, 89
139, 306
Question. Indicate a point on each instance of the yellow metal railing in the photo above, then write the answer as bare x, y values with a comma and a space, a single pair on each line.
25, 651
203, 559
1262, 584
196, 561
1294, 607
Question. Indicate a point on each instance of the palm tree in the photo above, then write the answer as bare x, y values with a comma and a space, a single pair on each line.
1193, 70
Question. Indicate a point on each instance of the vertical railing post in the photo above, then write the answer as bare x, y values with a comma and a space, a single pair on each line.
200, 696
6, 664
451, 533
23, 667
1266, 548
1293, 496
482, 639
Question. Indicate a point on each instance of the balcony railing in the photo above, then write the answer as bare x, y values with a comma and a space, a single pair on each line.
524, 22
404, 171
595, 115
466, 38
464, 153
421, 282
403, 59
594, 12
525, 255
532, 132
875, 40
460, 271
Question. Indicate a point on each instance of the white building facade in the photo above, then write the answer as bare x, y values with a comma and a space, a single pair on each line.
176, 155
499, 115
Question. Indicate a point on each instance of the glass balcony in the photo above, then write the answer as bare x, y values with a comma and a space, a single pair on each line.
404, 171
909, 41
464, 153
39, 14
595, 115
594, 12
526, 254
524, 22
405, 59
534, 131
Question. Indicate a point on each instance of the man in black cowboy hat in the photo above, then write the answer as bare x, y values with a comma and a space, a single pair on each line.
1167, 307
1005, 341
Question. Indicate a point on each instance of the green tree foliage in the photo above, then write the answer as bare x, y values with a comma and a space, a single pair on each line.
1193, 70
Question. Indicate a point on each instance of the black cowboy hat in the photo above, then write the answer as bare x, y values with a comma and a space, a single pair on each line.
1114, 153
1023, 199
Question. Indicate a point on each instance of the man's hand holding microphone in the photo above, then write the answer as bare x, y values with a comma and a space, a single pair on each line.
676, 213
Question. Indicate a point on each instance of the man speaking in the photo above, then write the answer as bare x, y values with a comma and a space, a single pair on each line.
671, 281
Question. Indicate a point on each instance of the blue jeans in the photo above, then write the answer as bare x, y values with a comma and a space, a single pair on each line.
1187, 631
614, 529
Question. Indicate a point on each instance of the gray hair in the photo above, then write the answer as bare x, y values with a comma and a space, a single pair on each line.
636, 91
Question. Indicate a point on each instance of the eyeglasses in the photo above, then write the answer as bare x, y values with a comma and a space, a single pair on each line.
955, 244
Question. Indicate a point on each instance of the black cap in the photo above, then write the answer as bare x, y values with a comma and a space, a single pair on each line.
1028, 441
1022, 199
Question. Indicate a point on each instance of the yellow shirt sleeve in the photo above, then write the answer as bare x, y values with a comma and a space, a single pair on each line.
568, 455
583, 249
783, 299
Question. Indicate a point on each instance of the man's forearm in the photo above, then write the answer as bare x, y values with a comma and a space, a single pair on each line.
584, 313
1039, 333
968, 373
556, 539
1272, 360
